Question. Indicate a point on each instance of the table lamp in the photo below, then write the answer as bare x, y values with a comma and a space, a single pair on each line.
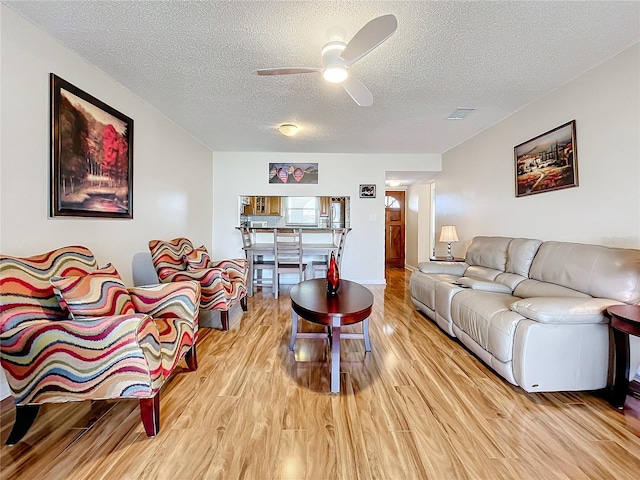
449, 235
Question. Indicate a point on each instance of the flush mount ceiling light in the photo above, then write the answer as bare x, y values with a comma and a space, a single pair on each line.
461, 113
288, 129
394, 183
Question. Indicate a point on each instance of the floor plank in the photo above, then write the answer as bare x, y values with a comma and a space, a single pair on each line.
418, 406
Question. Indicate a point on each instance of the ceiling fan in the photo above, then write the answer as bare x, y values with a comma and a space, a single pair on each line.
338, 56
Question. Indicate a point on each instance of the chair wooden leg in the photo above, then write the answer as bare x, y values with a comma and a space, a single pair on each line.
224, 319
25, 416
192, 359
243, 303
150, 414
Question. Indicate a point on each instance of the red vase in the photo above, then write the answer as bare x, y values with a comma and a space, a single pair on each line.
333, 277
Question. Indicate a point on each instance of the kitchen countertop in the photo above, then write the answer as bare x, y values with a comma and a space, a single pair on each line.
313, 229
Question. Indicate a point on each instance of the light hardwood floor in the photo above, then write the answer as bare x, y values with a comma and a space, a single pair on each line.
419, 406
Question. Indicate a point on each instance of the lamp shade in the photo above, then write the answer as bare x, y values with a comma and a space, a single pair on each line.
448, 234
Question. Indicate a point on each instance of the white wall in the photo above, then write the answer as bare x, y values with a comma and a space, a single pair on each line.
419, 239
476, 192
172, 171
246, 173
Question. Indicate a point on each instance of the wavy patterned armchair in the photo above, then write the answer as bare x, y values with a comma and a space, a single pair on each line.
223, 284
95, 340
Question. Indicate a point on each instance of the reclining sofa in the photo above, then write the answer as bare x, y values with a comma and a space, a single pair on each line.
533, 311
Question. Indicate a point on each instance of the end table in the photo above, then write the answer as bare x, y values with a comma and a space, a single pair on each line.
625, 321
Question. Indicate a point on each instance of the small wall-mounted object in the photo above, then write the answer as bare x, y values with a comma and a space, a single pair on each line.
368, 191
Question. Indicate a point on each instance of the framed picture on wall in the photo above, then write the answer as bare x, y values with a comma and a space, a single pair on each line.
547, 162
293, 173
91, 155
368, 191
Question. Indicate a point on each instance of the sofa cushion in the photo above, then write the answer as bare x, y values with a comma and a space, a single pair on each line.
487, 319
490, 252
598, 271
197, 259
520, 254
484, 285
563, 310
96, 294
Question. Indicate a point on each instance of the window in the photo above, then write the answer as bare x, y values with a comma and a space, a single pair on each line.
301, 210
391, 202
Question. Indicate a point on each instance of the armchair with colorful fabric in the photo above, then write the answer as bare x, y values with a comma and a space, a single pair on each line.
71, 332
223, 284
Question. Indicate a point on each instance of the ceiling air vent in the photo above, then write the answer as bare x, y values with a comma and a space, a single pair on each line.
460, 113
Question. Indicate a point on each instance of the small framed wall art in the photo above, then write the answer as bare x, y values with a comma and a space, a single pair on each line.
547, 162
368, 191
91, 155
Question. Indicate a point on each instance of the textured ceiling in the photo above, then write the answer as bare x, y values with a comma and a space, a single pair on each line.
194, 62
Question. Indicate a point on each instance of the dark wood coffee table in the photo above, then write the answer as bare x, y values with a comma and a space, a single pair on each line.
352, 304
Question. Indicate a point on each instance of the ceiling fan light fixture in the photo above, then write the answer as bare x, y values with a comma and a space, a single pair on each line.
334, 46
335, 73
288, 129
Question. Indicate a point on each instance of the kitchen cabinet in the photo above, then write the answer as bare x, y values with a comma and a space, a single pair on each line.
266, 206
259, 205
275, 206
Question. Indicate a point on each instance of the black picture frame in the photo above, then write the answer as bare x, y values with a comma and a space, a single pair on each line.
547, 162
91, 169
368, 190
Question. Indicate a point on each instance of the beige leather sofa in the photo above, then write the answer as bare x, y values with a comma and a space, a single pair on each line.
533, 311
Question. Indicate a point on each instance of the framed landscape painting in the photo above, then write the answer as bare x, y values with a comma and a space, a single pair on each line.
547, 162
91, 155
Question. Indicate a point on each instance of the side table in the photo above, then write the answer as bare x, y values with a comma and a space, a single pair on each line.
625, 321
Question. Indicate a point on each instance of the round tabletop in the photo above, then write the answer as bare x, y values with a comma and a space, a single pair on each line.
351, 304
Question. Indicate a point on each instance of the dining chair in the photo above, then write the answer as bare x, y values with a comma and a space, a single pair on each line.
256, 259
288, 256
320, 266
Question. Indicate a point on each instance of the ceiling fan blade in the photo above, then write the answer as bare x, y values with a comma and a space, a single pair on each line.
356, 89
369, 37
287, 70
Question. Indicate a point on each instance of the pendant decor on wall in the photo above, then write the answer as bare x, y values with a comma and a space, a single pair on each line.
91, 155
547, 162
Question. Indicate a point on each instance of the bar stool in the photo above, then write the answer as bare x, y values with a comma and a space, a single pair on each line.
257, 263
288, 256
320, 266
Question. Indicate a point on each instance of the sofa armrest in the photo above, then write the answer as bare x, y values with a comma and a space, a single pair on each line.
451, 268
237, 269
564, 309
168, 300
73, 360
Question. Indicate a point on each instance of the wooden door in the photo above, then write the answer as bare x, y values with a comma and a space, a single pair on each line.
394, 228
